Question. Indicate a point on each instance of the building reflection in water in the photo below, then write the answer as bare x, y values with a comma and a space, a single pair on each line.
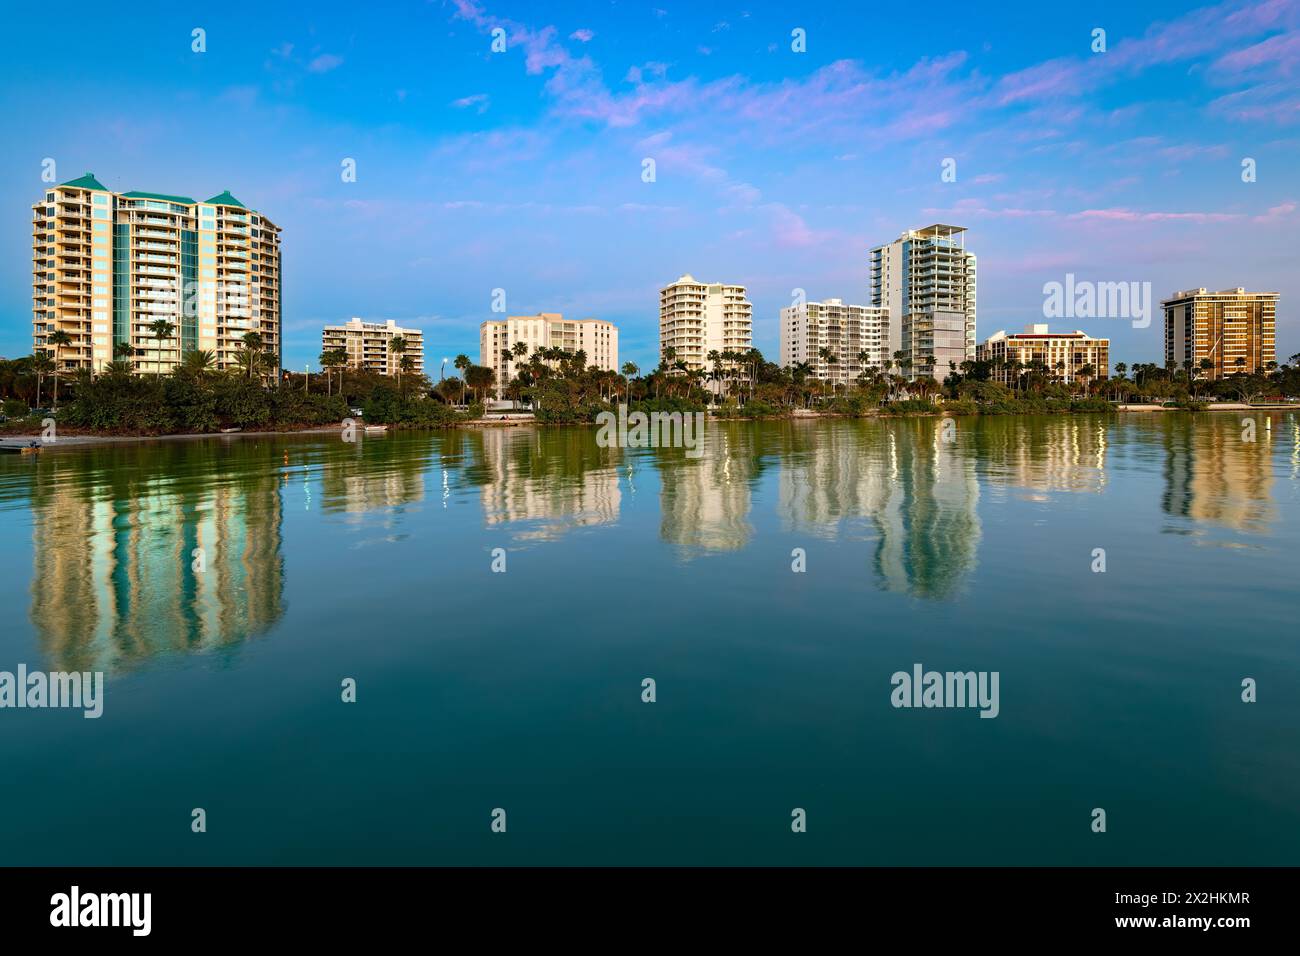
704, 502
116, 578
375, 475
544, 482
1214, 474
1044, 453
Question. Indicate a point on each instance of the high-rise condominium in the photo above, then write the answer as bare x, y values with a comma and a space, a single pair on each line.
596, 337
106, 266
1067, 356
838, 341
1221, 333
696, 318
369, 345
926, 279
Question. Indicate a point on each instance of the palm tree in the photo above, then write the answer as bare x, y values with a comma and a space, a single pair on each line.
251, 355
200, 363
250, 360
629, 372
404, 364
328, 359
462, 364
123, 350
42, 365
160, 329
397, 345
58, 339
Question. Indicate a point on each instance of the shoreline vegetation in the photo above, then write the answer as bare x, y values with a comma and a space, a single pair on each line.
557, 387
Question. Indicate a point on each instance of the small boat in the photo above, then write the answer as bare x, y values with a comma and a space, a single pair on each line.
31, 448
230, 431
376, 428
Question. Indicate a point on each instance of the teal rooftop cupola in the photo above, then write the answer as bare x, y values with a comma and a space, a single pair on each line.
225, 199
87, 181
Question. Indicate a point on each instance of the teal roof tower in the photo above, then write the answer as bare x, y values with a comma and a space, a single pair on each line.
225, 199
87, 181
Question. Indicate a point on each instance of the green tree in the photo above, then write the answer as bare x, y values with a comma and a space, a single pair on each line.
629, 372
58, 339
462, 364
41, 365
160, 329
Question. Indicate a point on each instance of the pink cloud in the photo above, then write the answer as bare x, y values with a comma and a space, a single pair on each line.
1121, 214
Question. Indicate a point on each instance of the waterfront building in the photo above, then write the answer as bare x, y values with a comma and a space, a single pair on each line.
107, 265
926, 280
853, 335
1063, 353
369, 345
696, 318
596, 337
1221, 333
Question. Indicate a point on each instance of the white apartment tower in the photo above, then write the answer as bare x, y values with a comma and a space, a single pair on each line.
596, 337
696, 318
369, 345
854, 335
926, 280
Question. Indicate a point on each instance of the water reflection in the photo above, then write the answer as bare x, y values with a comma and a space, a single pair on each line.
545, 481
1220, 470
1045, 454
177, 550
115, 529
704, 502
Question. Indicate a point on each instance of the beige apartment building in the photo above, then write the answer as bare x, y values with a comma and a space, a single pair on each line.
845, 331
1063, 353
107, 265
369, 345
926, 280
696, 318
596, 337
1235, 330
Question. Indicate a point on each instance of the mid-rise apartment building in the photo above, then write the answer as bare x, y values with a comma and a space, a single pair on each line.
106, 266
696, 318
853, 335
369, 345
1064, 354
926, 280
596, 337
1234, 330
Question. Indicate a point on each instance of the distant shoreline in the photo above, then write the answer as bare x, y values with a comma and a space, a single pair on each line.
84, 440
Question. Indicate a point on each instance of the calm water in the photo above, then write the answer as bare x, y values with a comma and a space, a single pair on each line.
522, 690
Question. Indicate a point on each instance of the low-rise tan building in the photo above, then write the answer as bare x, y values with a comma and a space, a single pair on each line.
1064, 354
596, 338
369, 345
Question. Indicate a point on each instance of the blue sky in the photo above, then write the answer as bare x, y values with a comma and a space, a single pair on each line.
774, 169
